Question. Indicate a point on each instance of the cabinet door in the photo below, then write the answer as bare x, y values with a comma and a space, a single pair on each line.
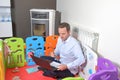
5, 19
5, 29
4, 2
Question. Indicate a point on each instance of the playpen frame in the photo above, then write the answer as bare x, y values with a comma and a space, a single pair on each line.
89, 38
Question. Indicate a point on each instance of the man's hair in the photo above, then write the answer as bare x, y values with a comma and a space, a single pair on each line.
64, 25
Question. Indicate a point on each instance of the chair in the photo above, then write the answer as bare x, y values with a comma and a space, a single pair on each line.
16, 56
91, 63
106, 70
35, 46
50, 44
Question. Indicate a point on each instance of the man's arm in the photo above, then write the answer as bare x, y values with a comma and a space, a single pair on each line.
77, 51
55, 56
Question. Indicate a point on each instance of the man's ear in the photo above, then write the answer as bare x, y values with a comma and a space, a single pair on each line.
69, 32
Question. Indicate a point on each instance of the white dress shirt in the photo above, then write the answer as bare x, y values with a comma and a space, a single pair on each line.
70, 53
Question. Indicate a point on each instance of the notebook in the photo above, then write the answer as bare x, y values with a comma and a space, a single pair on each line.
45, 63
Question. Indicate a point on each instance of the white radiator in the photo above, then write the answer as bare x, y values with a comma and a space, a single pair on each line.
86, 37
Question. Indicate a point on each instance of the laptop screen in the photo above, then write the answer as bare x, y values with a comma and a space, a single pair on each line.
42, 62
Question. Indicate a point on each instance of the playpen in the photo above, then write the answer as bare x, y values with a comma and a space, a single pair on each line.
96, 67
89, 40
2, 65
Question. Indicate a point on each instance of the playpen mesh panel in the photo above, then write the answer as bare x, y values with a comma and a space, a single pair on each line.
2, 67
16, 56
50, 44
35, 46
91, 63
89, 42
2, 74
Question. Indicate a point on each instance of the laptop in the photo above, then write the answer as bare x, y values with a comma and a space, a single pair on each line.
47, 64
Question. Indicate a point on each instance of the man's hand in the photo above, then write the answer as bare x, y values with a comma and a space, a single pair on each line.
62, 67
52, 54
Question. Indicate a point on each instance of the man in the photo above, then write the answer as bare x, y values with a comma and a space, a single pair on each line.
69, 52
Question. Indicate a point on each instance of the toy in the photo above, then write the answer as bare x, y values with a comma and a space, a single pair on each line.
106, 70
16, 78
73, 78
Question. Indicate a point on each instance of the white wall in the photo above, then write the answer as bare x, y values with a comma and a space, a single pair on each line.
102, 16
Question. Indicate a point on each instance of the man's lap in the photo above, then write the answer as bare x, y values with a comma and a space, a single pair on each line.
57, 73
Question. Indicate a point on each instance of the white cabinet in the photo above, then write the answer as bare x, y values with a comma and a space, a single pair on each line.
42, 22
6, 29
5, 3
5, 19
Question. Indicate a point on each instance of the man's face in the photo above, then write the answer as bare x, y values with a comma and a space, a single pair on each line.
63, 33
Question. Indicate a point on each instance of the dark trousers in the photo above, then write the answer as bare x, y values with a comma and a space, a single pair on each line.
56, 73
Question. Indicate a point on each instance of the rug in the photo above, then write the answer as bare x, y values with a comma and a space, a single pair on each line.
23, 74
